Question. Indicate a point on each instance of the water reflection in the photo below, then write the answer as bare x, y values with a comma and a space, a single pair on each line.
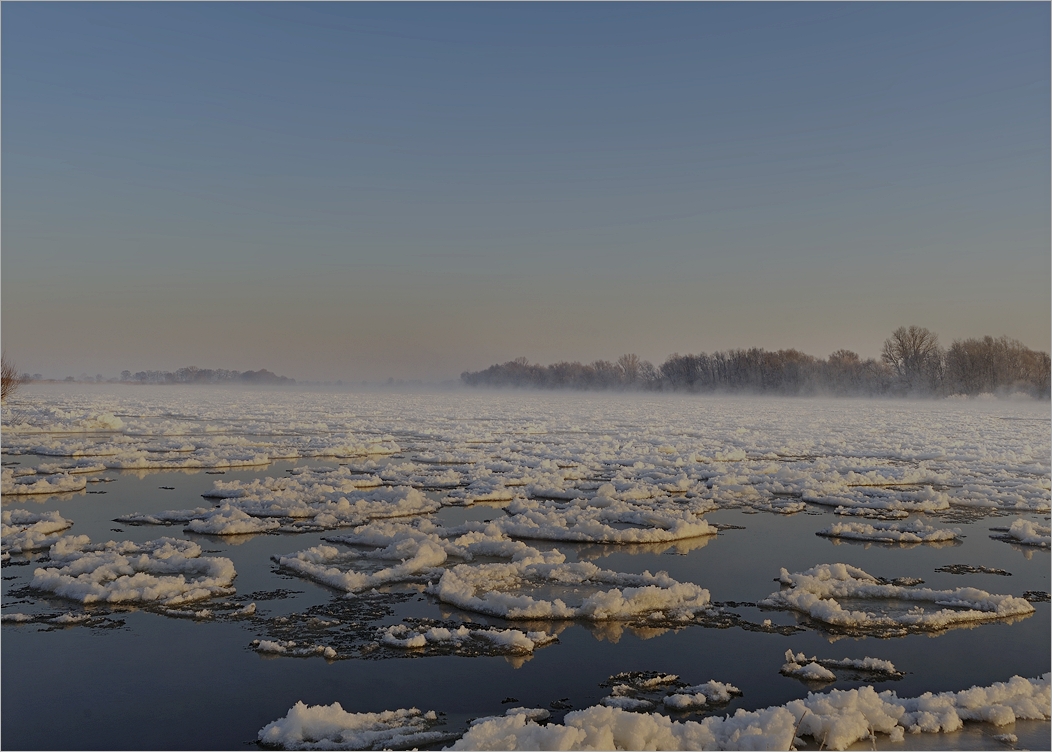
591, 552
904, 545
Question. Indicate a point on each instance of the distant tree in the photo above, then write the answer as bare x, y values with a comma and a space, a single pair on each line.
916, 358
9, 378
974, 366
629, 363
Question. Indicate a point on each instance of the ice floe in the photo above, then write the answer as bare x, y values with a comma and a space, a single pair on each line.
331, 727
835, 720
817, 592
818, 669
641, 691
292, 648
166, 571
1026, 533
29, 531
497, 641
26, 485
915, 531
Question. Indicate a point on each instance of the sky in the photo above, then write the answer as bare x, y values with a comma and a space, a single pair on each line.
362, 191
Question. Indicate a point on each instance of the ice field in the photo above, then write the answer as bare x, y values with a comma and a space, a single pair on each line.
202, 568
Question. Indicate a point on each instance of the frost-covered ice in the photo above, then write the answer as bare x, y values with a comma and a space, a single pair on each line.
815, 669
28, 531
816, 591
1026, 533
835, 720
915, 531
331, 727
166, 571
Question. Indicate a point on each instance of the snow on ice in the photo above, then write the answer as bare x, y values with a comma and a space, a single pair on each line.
166, 571
835, 720
814, 592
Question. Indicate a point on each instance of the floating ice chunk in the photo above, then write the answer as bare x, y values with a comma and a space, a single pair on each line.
710, 693
600, 727
80, 466
927, 500
808, 671
502, 590
292, 648
510, 641
817, 669
534, 714
228, 520
16, 618
840, 718
313, 499
894, 532
814, 592
169, 517
835, 720
336, 568
70, 618
1026, 533
166, 571
626, 703
26, 485
891, 514
331, 727
23, 530
594, 522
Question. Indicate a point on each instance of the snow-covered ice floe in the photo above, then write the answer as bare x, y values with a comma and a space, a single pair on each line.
641, 691
817, 592
891, 532
308, 500
1026, 533
508, 590
835, 720
166, 572
29, 531
331, 727
815, 669
493, 641
511, 589
25, 485
293, 648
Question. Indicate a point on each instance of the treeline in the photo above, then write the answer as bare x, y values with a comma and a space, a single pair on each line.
195, 375
912, 363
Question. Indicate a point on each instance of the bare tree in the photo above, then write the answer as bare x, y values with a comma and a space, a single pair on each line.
629, 364
9, 378
915, 356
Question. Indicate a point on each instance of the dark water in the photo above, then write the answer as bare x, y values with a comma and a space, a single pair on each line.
167, 683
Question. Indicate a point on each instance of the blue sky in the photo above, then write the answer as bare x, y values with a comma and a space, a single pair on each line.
359, 191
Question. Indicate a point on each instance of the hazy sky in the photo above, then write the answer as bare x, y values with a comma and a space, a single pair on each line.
357, 191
